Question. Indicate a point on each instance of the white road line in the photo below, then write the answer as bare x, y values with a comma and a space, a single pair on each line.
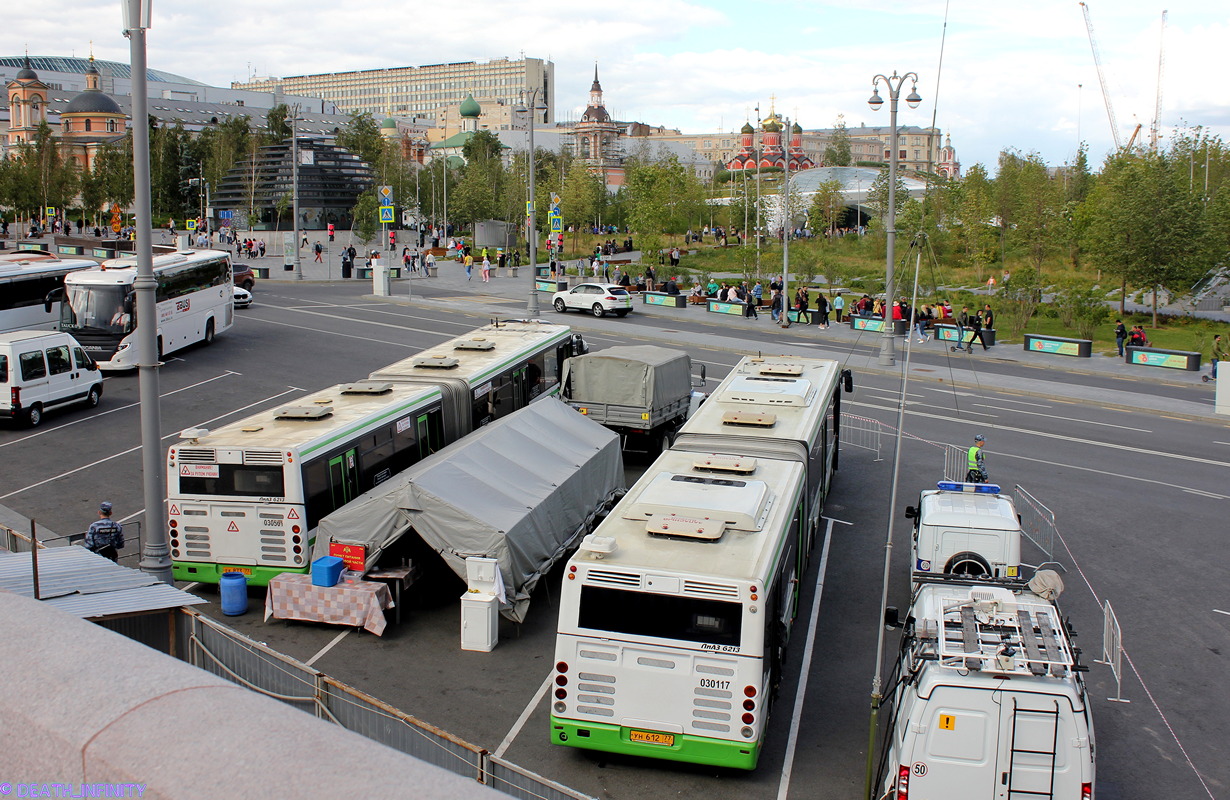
1069, 439
525, 715
226, 374
1110, 474
138, 447
1205, 494
965, 412
189, 587
783, 787
359, 321
328, 647
345, 335
1069, 419
1219, 611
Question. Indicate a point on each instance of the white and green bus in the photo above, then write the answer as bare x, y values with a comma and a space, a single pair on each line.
195, 302
247, 497
675, 614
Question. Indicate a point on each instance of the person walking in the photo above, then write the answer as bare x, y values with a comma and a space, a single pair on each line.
975, 462
822, 307
105, 536
800, 304
839, 305
486, 268
1219, 354
468, 261
964, 322
1121, 335
775, 306
319, 250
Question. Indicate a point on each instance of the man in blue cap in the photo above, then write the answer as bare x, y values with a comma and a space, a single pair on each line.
105, 536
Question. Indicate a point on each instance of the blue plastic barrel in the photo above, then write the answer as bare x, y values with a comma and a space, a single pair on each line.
234, 587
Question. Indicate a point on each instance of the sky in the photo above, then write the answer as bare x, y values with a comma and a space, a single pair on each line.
1013, 75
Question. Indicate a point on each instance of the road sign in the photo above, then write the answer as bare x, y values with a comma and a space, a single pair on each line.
51, 211
555, 212
529, 208
386, 213
554, 199
191, 224
386, 196
557, 225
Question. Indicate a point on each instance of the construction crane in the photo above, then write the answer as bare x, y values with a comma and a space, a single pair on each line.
1155, 128
1097, 60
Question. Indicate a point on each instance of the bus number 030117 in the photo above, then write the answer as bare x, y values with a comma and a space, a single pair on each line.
710, 683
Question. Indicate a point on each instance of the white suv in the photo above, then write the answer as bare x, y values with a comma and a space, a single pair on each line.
597, 298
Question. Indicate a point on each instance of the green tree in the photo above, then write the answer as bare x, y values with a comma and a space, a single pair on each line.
837, 151
277, 128
1037, 215
361, 136
827, 206
366, 215
41, 175
877, 196
971, 200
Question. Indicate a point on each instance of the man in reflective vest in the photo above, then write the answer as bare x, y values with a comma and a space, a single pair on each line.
974, 461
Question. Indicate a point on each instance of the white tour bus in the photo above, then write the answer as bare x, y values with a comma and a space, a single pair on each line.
675, 613
989, 702
194, 295
247, 497
27, 279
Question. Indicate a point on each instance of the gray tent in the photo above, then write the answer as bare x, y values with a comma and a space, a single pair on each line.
644, 376
521, 490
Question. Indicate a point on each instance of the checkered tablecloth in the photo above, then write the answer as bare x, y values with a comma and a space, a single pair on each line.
361, 603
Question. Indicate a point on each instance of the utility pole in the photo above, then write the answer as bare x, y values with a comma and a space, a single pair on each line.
155, 553
294, 157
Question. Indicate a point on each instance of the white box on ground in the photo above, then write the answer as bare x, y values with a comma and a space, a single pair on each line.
480, 605
1221, 401
380, 279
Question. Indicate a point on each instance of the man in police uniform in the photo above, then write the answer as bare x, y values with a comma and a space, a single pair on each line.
975, 463
105, 536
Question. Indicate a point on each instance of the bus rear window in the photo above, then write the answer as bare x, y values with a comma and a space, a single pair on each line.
235, 480
686, 619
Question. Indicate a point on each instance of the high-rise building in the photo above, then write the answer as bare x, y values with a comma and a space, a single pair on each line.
422, 92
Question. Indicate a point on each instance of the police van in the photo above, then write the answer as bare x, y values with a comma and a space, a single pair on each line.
969, 529
40, 370
989, 703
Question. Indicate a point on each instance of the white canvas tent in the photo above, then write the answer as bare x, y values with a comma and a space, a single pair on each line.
521, 490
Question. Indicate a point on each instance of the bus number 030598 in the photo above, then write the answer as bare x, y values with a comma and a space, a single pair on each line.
709, 683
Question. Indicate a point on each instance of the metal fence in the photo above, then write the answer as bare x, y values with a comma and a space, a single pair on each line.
16, 541
228, 654
867, 434
1037, 521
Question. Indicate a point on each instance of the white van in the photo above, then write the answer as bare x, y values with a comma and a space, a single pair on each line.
969, 529
990, 704
41, 370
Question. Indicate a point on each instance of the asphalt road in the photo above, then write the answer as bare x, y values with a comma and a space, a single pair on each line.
1139, 498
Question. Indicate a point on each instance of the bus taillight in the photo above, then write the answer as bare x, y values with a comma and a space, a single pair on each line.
174, 523
748, 719
749, 691
903, 782
562, 666
294, 528
749, 705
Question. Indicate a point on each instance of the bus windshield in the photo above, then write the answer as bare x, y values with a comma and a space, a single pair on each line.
98, 309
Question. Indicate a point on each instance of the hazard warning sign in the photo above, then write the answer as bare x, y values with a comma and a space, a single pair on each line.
174, 512
232, 528
293, 514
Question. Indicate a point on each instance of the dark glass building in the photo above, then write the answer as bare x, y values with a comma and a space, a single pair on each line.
330, 182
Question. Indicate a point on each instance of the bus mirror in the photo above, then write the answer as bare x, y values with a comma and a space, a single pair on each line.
847, 381
52, 297
699, 380
892, 618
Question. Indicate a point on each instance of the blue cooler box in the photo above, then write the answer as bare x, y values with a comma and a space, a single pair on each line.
326, 571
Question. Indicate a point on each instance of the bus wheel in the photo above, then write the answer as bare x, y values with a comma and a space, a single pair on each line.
34, 415
159, 348
209, 332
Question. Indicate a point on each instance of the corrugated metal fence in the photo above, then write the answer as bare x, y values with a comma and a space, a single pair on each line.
215, 648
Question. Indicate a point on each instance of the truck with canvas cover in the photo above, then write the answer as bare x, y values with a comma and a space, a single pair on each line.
965, 529
642, 392
989, 703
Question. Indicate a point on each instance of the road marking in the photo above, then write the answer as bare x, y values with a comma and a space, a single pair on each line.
352, 319
783, 786
1070, 439
1068, 419
189, 587
525, 715
226, 374
349, 335
1205, 494
1002, 399
328, 647
1219, 611
138, 447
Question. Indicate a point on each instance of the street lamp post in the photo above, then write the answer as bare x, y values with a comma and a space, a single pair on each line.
893, 84
786, 220
756, 137
531, 233
294, 158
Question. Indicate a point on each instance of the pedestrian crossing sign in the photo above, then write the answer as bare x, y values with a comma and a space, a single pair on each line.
556, 225
386, 213
191, 224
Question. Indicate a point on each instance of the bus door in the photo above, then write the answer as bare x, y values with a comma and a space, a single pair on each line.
521, 393
344, 478
423, 434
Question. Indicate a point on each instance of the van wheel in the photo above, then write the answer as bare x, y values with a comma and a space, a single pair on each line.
34, 415
968, 564
91, 399
209, 332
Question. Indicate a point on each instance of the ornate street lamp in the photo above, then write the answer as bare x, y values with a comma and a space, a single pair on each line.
893, 84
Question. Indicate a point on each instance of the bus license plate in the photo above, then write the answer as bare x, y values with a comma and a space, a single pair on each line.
650, 737
240, 570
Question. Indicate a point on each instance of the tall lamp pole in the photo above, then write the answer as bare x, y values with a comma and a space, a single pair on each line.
786, 220
893, 84
756, 138
531, 232
155, 552
294, 158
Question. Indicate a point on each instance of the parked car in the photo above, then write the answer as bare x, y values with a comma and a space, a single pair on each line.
244, 276
41, 370
597, 298
243, 298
